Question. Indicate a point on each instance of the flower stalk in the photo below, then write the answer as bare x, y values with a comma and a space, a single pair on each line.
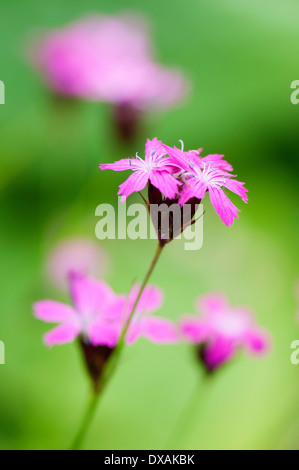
101, 376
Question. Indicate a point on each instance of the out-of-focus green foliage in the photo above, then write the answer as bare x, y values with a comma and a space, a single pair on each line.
242, 57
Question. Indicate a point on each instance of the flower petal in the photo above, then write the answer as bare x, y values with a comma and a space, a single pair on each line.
157, 330
238, 188
88, 294
62, 334
116, 309
216, 160
195, 330
210, 304
53, 312
193, 188
223, 206
181, 160
122, 165
154, 149
104, 333
151, 299
218, 353
257, 340
136, 182
165, 182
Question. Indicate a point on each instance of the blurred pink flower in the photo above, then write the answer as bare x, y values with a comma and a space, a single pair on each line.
156, 329
222, 330
98, 315
107, 58
75, 255
156, 168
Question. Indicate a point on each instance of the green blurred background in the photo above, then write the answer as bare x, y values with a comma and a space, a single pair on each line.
241, 57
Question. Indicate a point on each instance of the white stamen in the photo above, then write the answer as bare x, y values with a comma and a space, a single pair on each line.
137, 156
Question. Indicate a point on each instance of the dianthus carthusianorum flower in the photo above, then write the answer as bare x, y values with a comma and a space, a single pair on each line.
221, 330
98, 315
156, 168
108, 59
208, 174
174, 176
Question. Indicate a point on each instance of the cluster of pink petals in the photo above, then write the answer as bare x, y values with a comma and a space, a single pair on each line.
98, 315
209, 174
223, 330
156, 168
183, 176
107, 58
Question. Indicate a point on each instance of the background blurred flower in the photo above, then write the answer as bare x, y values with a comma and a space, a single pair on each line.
98, 315
91, 301
75, 255
222, 330
156, 329
110, 59
70, 59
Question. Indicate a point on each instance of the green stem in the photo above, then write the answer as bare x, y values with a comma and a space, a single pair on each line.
186, 420
142, 287
90, 410
111, 365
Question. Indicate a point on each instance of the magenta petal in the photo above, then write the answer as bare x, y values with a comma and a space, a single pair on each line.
165, 182
217, 161
193, 188
53, 312
157, 330
257, 340
62, 334
218, 353
187, 194
237, 188
116, 308
195, 330
210, 304
121, 165
151, 299
88, 294
223, 206
178, 158
136, 182
104, 334
154, 148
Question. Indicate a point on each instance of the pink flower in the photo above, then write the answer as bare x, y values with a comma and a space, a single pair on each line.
75, 255
208, 174
156, 168
98, 315
156, 329
107, 58
222, 330
181, 177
